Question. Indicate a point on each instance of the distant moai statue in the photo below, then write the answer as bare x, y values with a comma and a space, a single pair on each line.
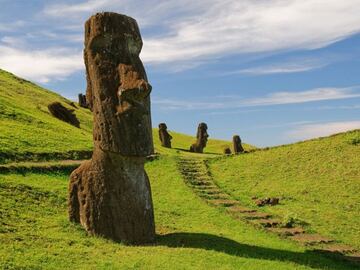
110, 194
237, 144
164, 136
227, 150
201, 139
82, 101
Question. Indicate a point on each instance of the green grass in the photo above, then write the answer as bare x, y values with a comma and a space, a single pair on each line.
36, 234
29, 132
318, 182
27, 126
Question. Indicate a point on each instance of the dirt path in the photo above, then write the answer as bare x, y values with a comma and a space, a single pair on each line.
198, 178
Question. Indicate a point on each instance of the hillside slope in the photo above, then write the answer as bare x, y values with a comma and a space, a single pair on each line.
191, 233
27, 126
318, 182
35, 232
29, 132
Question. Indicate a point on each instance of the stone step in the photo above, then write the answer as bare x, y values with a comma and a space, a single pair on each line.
240, 209
195, 174
190, 163
199, 178
220, 196
205, 188
256, 215
311, 239
225, 203
266, 222
287, 231
210, 191
201, 183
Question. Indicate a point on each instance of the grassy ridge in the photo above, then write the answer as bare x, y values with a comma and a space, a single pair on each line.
35, 232
27, 126
318, 182
29, 132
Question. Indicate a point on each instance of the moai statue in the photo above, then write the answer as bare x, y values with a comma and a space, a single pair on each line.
82, 101
237, 144
110, 194
202, 137
165, 137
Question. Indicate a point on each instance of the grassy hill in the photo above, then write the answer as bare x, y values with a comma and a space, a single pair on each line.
35, 232
29, 132
27, 126
318, 182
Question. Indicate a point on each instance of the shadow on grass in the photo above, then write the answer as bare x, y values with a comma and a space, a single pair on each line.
231, 247
187, 150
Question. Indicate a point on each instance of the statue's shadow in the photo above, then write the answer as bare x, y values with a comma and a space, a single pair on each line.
231, 247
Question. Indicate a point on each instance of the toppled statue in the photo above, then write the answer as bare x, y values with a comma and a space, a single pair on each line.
110, 194
64, 114
201, 139
237, 144
82, 101
227, 150
164, 136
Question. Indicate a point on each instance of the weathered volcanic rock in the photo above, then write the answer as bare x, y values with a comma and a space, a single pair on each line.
267, 201
110, 194
164, 136
62, 113
237, 144
227, 150
201, 139
82, 101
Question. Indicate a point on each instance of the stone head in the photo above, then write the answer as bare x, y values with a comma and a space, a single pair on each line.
162, 126
117, 87
236, 139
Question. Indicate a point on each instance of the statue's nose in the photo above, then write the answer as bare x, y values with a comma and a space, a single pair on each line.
145, 89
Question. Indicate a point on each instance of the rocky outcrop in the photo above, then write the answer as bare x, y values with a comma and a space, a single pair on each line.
110, 194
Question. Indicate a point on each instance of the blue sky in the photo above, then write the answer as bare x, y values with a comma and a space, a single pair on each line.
272, 71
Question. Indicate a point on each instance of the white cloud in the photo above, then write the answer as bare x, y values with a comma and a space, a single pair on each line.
309, 131
343, 107
240, 27
277, 98
9, 27
291, 67
195, 31
61, 10
13, 41
40, 65
170, 104
316, 94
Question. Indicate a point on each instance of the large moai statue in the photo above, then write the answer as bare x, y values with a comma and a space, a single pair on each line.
110, 194
164, 136
237, 144
201, 139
